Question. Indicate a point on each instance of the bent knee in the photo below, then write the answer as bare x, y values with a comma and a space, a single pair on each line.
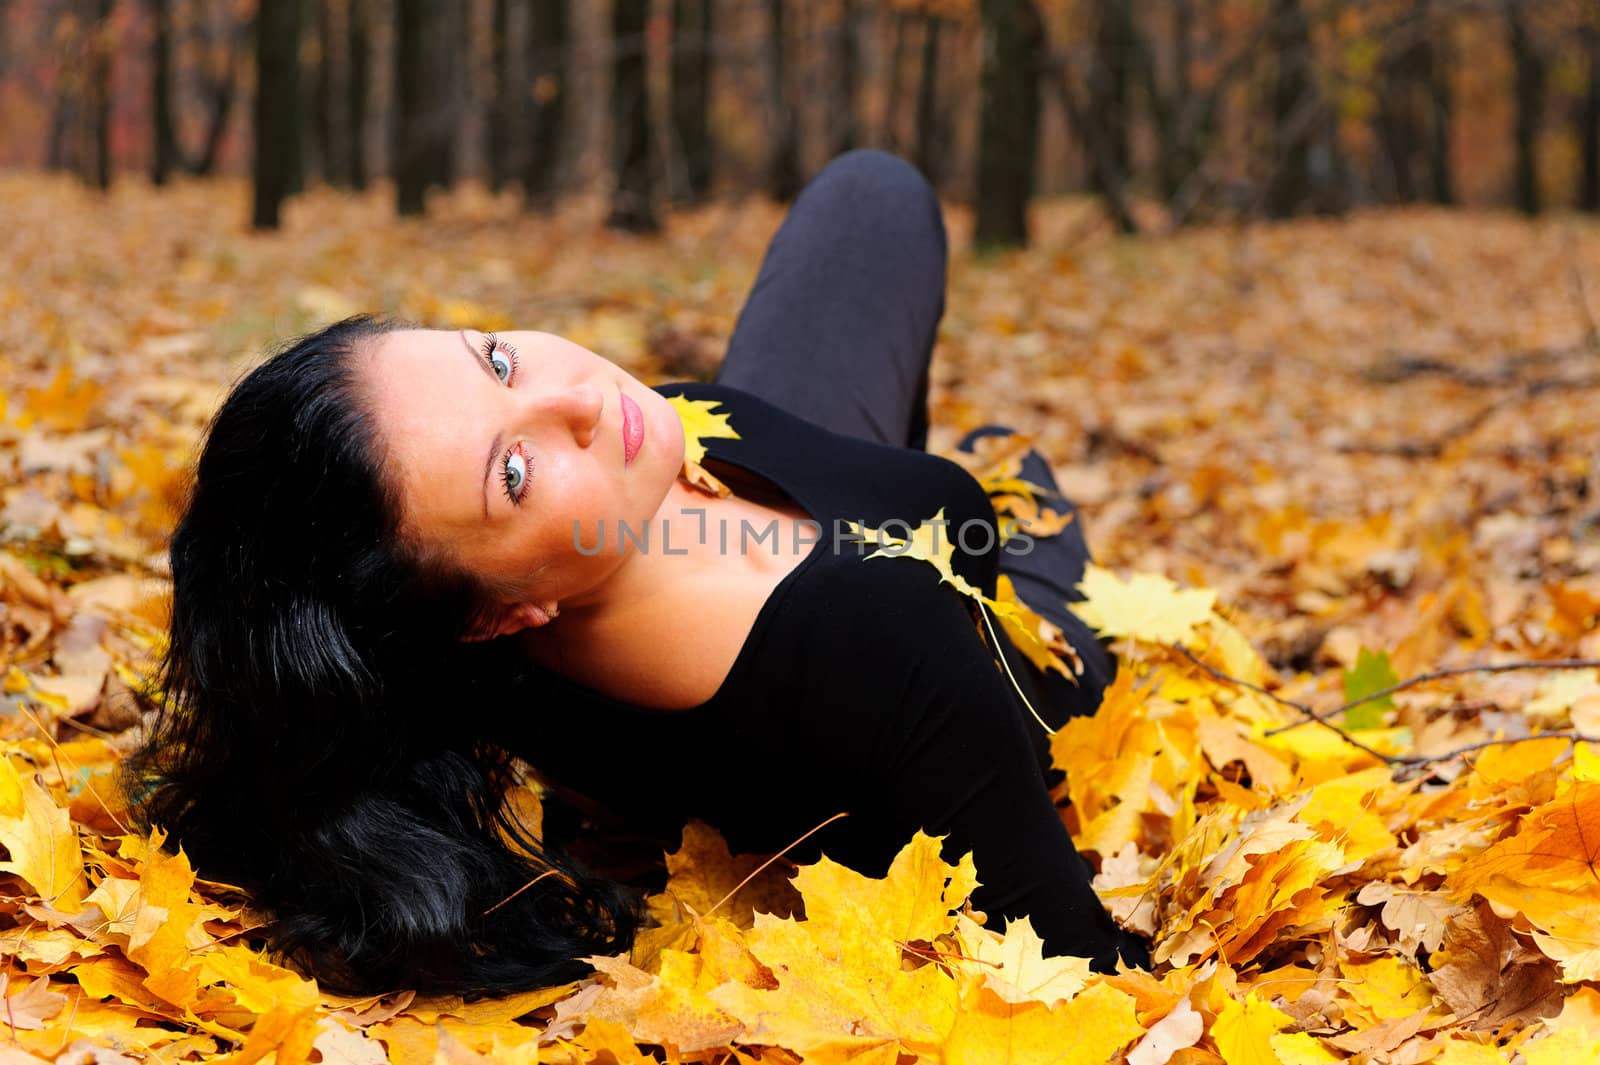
880, 169
882, 183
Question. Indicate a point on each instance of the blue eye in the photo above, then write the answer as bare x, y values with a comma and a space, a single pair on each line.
501, 357
514, 472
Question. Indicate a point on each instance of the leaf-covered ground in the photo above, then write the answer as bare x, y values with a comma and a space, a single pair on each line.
1363, 450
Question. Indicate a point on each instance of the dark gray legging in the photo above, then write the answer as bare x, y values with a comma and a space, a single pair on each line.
839, 329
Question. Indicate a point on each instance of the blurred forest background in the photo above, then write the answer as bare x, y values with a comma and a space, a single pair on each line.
1170, 113
1363, 433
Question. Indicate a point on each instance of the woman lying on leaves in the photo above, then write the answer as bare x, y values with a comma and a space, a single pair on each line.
404, 563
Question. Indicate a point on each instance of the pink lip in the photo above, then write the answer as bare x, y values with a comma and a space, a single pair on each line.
632, 429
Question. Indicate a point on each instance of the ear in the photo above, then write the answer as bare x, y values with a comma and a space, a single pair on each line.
510, 618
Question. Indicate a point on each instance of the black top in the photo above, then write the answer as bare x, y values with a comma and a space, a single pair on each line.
864, 685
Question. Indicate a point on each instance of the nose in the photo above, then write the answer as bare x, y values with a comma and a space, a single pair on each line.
576, 408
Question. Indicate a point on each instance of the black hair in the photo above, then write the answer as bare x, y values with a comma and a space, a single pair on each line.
319, 733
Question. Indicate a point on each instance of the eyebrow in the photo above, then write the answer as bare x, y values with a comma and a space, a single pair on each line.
494, 447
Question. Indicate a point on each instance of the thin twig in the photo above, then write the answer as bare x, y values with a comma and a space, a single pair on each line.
1440, 674
1310, 714
1405, 366
1574, 737
520, 890
757, 870
937, 956
55, 750
1320, 717
1435, 447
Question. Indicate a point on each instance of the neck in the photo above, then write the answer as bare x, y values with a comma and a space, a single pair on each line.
678, 546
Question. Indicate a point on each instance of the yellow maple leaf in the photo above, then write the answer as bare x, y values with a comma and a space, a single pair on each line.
1036, 636
1302, 1048
1557, 846
843, 989
702, 874
669, 1007
41, 844
1243, 1031
1013, 966
1089, 1029
929, 542
700, 424
1038, 639
913, 901
600, 1038
64, 405
1465, 1051
1387, 987
1575, 1033
1563, 1048
1558, 693
842, 993
1146, 607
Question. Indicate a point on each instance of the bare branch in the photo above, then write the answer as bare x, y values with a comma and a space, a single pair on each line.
1311, 716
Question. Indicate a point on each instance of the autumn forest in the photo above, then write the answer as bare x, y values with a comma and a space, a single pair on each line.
1299, 298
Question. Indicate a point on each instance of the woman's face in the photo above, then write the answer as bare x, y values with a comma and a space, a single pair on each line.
501, 444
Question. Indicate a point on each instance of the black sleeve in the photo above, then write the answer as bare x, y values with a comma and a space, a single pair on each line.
948, 752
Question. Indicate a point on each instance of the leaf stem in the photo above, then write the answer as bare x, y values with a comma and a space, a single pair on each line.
1000, 653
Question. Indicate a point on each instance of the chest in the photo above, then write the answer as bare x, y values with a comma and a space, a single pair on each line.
679, 653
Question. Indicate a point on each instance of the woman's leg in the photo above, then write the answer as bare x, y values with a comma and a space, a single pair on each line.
1046, 578
840, 324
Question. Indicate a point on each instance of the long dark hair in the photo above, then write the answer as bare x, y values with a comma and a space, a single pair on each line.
319, 737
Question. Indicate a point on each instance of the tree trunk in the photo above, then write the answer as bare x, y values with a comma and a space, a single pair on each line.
421, 135
1290, 185
548, 37
164, 153
1008, 133
783, 168
277, 125
5, 51
358, 30
1103, 172
930, 146
1529, 81
1109, 79
506, 120
890, 136
221, 92
1403, 69
691, 98
100, 52
1589, 135
1176, 157
63, 143
328, 120
632, 200
448, 85
847, 128
58, 150
1441, 107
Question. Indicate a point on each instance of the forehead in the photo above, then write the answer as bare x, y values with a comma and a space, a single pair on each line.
424, 391
414, 348
415, 379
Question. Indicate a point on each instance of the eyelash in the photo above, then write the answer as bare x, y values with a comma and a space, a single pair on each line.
490, 343
514, 494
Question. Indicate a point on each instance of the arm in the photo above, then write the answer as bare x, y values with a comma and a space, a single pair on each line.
950, 754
